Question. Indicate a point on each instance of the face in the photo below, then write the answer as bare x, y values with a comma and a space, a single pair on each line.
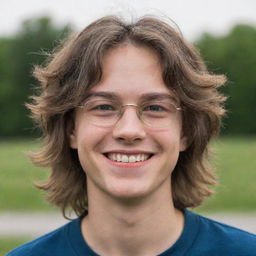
128, 72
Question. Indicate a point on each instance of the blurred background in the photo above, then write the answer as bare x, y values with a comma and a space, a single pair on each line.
223, 31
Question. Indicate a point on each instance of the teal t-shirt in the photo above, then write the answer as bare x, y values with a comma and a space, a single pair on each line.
200, 237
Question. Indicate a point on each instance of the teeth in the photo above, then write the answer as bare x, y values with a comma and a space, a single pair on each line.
124, 158
138, 157
128, 158
118, 158
132, 159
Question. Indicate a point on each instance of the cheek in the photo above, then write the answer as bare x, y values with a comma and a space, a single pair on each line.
89, 143
88, 135
171, 153
86, 155
169, 140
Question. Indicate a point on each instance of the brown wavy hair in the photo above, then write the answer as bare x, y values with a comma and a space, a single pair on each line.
76, 66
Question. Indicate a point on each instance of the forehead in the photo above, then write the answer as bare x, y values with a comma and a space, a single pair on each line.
130, 71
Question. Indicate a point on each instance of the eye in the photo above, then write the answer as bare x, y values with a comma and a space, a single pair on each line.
104, 107
100, 106
154, 108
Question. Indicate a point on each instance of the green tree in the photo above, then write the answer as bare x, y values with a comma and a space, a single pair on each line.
18, 55
235, 56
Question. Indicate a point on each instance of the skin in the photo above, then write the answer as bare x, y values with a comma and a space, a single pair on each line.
130, 206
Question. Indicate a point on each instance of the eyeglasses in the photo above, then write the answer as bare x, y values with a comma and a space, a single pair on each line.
106, 113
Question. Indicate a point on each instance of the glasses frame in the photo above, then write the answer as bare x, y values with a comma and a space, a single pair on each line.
138, 112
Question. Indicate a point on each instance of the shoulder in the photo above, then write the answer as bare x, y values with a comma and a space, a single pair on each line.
226, 231
45, 245
225, 238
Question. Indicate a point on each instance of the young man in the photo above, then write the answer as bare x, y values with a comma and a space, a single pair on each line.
127, 112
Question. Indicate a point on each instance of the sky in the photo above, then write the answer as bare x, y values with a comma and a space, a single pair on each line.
192, 16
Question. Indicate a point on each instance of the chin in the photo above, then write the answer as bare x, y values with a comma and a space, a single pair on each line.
129, 192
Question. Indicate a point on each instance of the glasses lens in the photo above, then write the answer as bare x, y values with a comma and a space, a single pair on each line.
106, 113
159, 114
101, 112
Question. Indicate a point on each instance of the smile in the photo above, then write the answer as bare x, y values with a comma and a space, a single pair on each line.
128, 158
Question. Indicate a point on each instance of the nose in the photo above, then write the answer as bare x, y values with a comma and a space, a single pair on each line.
129, 127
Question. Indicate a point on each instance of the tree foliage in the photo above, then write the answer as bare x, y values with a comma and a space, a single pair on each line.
235, 56
18, 55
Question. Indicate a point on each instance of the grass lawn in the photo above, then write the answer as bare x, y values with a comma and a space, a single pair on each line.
235, 162
9, 243
17, 175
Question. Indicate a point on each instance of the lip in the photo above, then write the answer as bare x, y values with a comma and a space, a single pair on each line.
128, 164
129, 152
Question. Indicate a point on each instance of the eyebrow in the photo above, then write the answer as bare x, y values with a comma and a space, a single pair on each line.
158, 96
144, 97
107, 95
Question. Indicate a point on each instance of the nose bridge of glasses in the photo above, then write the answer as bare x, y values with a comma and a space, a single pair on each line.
129, 105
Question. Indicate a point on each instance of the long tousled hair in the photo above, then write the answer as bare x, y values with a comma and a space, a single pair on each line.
76, 66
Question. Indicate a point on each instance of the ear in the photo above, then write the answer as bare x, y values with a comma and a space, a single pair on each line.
71, 133
183, 143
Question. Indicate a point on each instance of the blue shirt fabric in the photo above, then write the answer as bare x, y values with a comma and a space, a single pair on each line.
200, 237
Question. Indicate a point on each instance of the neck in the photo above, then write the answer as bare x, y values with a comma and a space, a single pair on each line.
147, 228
